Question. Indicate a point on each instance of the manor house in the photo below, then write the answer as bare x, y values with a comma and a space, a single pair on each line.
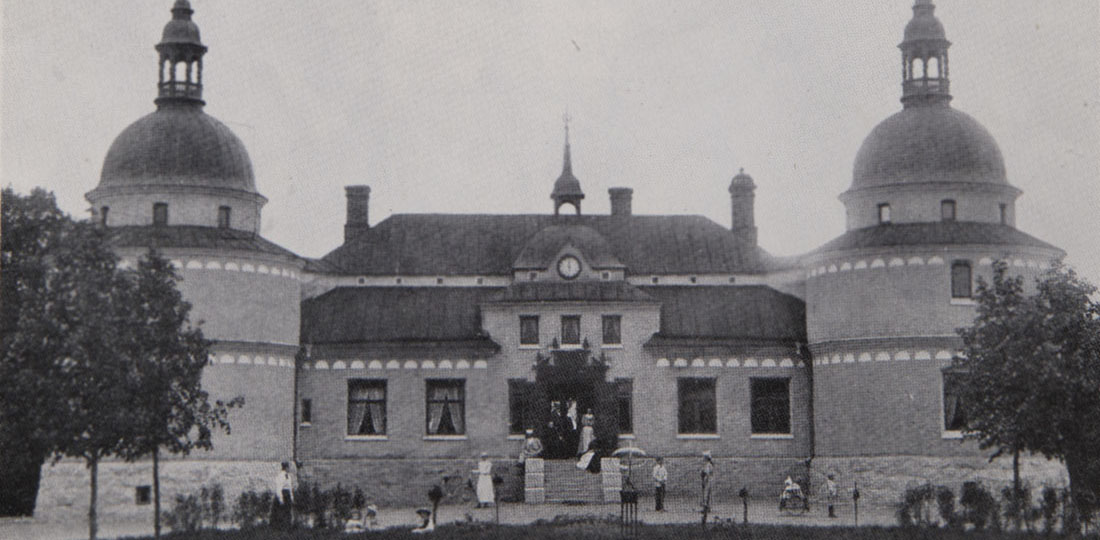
425, 339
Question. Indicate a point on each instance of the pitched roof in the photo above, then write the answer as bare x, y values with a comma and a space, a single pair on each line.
728, 313
192, 236
587, 291
937, 233
395, 314
479, 244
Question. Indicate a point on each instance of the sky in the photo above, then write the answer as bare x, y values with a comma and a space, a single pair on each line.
456, 107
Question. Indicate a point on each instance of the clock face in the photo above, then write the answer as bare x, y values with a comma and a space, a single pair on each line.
569, 267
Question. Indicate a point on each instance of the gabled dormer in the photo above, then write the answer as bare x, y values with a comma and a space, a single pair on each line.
568, 253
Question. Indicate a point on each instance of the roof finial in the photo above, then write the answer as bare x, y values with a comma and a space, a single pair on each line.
567, 164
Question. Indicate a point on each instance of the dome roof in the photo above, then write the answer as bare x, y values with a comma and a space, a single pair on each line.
178, 146
933, 143
924, 27
181, 29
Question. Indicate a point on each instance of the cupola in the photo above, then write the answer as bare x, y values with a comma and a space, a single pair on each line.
567, 189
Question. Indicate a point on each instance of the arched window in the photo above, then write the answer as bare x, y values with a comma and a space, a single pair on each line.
1004, 214
933, 71
103, 215
160, 213
960, 279
917, 68
884, 213
947, 210
223, 217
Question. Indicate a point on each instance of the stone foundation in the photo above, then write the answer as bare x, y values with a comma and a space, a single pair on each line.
65, 488
883, 479
405, 482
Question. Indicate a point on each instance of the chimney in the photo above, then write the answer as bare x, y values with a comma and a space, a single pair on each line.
358, 205
743, 222
620, 200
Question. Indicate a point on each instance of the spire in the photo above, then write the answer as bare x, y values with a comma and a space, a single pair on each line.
924, 58
567, 189
181, 52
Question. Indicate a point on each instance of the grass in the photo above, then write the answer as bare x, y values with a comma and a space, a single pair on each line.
604, 530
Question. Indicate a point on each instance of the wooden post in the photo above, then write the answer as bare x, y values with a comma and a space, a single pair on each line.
156, 492
93, 465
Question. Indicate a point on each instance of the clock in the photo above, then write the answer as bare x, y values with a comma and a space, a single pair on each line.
569, 267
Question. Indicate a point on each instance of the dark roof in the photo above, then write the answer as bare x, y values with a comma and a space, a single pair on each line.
178, 145
192, 236
540, 251
478, 244
589, 291
728, 313
936, 233
933, 143
396, 314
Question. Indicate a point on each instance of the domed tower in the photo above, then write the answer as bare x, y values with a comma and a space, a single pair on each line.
929, 209
180, 181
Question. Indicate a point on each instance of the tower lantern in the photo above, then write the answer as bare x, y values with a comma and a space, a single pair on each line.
181, 52
924, 58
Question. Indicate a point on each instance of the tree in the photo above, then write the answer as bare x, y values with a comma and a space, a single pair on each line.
32, 226
172, 412
1031, 364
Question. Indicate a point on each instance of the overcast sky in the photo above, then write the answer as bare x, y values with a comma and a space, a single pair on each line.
456, 106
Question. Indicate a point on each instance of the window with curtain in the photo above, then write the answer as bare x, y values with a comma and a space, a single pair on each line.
954, 418
698, 409
528, 329
612, 330
366, 407
571, 330
307, 411
521, 415
624, 395
771, 405
446, 407
960, 279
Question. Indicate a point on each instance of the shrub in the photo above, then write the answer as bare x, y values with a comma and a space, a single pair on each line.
213, 504
945, 501
916, 505
342, 506
185, 515
1018, 508
253, 509
1048, 507
980, 509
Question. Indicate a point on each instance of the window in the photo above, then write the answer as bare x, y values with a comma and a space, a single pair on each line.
307, 411
103, 215
528, 329
571, 330
1004, 214
612, 330
366, 407
771, 405
143, 494
446, 407
954, 418
521, 412
223, 217
884, 213
624, 390
947, 210
960, 279
697, 405
160, 213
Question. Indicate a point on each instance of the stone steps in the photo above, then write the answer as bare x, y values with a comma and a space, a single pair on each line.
566, 483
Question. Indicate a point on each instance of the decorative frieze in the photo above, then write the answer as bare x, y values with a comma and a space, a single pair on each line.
749, 362
370, 365
221, 264
943, 356
897, 262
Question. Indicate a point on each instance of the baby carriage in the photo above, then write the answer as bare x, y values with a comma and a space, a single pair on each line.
793, 500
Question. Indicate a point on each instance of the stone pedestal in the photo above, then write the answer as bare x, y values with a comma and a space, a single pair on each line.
611, 479
534, 481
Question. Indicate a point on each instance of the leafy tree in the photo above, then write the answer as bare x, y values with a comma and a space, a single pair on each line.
32, 226
171, 411
1032, 369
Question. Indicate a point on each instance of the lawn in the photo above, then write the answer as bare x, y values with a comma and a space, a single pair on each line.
607, 531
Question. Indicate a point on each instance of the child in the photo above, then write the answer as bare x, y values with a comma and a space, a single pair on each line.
831, 493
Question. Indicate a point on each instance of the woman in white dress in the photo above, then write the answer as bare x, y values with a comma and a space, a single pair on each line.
588, 432
484, 473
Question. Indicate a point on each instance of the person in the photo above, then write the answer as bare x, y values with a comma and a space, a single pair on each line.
831, 493
532, 447
484, 473
707, 477
588, 432
284, 497
660, 477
